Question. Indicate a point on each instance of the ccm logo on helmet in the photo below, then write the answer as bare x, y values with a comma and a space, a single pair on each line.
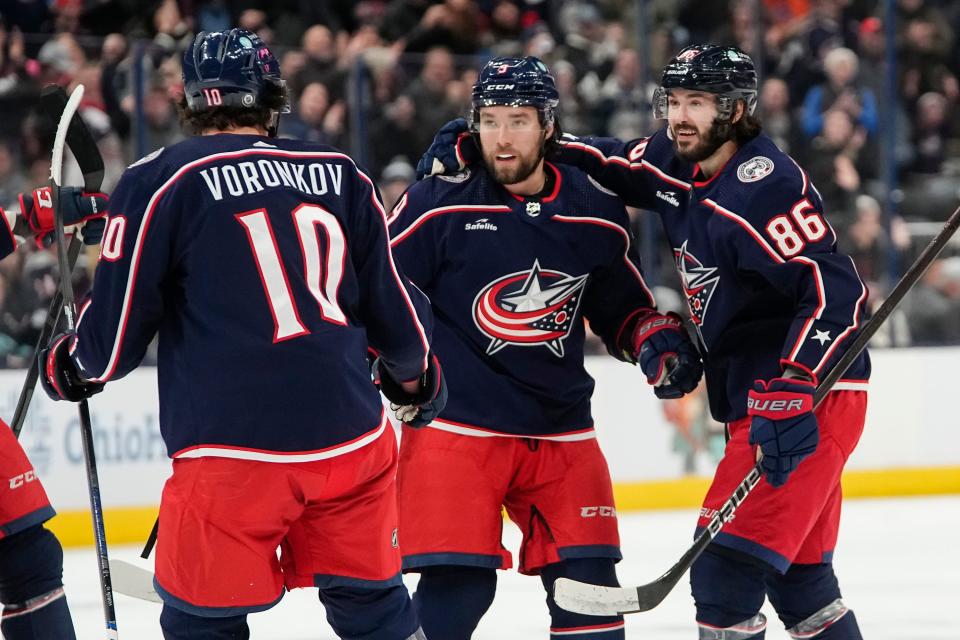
499, 87
775, 405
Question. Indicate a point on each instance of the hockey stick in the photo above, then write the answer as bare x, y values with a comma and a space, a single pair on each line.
53, 100
69, 312
597, 600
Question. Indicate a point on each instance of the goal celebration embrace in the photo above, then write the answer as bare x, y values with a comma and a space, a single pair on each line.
415, 303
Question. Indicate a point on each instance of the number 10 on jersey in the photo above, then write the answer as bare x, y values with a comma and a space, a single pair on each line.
322, 272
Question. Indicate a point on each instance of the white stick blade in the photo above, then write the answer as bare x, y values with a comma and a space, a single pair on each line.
593, 600
133, 581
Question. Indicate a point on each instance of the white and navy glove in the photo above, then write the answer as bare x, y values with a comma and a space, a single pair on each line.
451, 151
666, 354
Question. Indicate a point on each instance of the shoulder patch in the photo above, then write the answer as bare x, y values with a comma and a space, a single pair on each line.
754, 169
600, 187
455, 177
147, 158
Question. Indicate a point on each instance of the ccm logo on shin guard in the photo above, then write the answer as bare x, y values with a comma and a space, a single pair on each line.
593, 512
19, 480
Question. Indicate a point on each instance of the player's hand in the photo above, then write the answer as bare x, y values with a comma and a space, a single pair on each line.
451, 151
83, 213
783, 424
414, 409
666, 354
58, 373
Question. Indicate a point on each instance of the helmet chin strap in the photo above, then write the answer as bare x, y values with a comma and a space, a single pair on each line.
274, 125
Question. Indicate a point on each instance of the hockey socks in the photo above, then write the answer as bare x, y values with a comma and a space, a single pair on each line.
575, 626
31, 587
370, 614
451, 600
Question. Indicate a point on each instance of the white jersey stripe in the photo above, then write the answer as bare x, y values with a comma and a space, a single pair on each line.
479, 432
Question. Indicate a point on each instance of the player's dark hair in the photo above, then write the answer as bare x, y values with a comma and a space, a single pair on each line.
552, 146
222, 118
746, 129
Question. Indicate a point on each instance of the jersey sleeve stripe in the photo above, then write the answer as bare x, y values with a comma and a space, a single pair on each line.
821, 300
626, 249
148, 215
396, 274
633, 166
460, 208
747, 227
855, 323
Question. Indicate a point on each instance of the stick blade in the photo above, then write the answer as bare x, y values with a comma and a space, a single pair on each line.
594, 600
133, 581
80, 141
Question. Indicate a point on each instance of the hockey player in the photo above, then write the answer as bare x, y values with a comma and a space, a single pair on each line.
31, 559
775, 306
265, 267
514, 254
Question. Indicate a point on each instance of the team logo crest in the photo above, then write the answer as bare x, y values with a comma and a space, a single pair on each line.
529, 308
755, 169
699, 283
687, 56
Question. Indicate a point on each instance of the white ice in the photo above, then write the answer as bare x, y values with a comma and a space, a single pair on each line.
897, 562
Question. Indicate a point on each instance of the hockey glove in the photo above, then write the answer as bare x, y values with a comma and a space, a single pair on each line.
783, 424
83, 212
418, 409
666, 354
451, 151
58, 373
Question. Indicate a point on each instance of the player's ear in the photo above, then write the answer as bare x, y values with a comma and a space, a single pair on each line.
738, 111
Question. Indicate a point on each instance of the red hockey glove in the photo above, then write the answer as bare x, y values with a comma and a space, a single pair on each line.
58, 373
419, 409
84, 213
783, 425
666, 354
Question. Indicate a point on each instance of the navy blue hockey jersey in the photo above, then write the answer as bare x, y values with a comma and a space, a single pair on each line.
510, 280
265, 267
760, 269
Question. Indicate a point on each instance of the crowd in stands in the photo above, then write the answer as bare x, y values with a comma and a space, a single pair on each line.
378, 77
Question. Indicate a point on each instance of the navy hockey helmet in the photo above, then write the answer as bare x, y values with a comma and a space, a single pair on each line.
231, 69
725, 71
516, 82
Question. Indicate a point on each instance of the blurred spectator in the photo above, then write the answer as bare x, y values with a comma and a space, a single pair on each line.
503, 38
321, 63
396, 177
12, 180
429, 90
315, 118
924, 56
842, 92
623, 108
574, 114
836, 163
867, 242
452, 24
934, 308
930, 134
775, 113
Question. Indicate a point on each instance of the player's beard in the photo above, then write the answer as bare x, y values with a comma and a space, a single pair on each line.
706, 145
522, 169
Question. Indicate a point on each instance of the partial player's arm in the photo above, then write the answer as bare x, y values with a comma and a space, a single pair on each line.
617, 165
396, 314
621, 310
82, 212
120, 317
783, 236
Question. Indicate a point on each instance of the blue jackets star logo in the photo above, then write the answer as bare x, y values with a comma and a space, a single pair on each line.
699, 282
529, 308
